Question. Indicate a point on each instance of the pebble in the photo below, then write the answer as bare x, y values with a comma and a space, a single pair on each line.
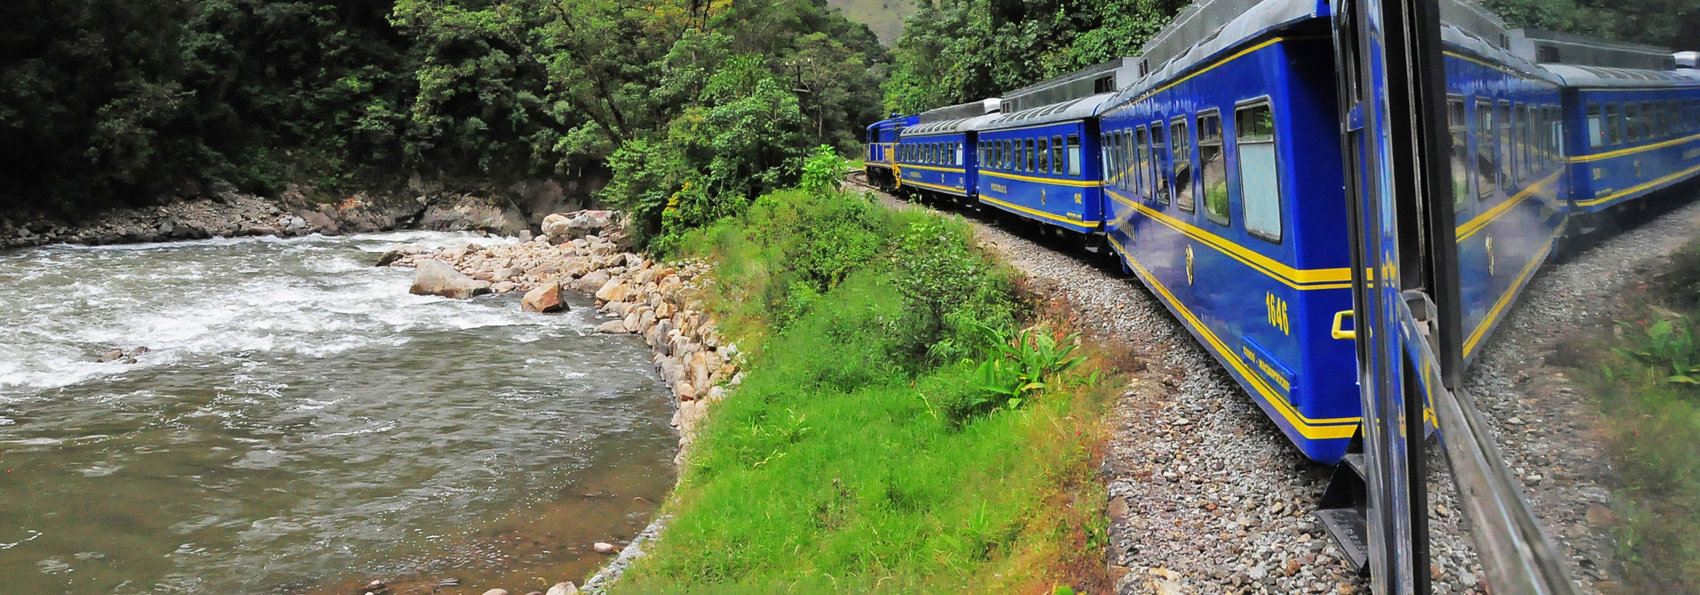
603, 547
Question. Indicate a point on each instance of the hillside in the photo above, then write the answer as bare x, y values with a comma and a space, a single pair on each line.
885, 17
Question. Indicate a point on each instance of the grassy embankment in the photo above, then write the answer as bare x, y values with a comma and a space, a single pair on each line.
867, 450
1646, 384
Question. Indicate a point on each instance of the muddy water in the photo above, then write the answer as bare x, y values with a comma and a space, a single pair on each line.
302, 424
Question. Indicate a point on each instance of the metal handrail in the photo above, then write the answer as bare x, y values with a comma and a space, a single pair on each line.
1516, 554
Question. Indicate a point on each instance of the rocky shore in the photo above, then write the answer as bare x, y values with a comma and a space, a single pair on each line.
589, 252
296, 212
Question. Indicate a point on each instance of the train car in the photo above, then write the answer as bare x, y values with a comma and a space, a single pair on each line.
1633, 110
936, 156
1225, 198
1507, 164
1039, 163
881, 139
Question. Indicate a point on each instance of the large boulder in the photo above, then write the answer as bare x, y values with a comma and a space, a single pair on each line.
563, 227
545, 298
433, 277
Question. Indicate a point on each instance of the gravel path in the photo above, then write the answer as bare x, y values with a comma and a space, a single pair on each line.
1207, 496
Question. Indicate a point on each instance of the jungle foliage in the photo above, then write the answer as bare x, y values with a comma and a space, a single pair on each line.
705, 104
953, 51
1664, 23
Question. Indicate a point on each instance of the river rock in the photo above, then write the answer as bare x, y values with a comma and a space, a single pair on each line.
436, 278
504, 287
546, 298
592, 281
613, 327
496, 592
563, 589
111, 356
613, 291
602, 547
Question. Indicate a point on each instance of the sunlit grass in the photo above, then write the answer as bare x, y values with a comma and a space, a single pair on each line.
850, 460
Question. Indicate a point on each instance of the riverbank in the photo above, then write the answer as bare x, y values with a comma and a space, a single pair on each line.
298, 211
891, 410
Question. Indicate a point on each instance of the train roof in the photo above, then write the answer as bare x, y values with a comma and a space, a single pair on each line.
959, 125
1208, 28
1466, 25
960, 111
1685, 60
895, 122
1105, 77
1549, 47
1073, 109
1574, 75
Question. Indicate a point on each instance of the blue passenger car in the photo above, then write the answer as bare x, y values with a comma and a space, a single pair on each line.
1224, 192
1507, 164
1040, 163
1638, 132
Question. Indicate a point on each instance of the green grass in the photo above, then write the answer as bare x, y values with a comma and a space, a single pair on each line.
858, 455
1650, 416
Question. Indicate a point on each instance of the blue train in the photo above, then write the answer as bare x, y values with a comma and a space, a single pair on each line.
1213, 166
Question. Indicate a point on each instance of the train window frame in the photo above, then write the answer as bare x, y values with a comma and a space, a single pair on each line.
956, 150
1112, 160
1458, 128
1042, 152
1254, 197
1059, 163
1519, 141
1159, 169
1142, 160
1485, 158
1032, 157
1073, 155
1210, 139
1180, 155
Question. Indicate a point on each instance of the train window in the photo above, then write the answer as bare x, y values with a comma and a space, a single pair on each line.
1596, 127
1211, 177
1502, 123
1457, 125
1649, 120
1125, 170
1142, 167
1632, 122
1058, 163
1159, 169
1519, 160
1074, 155
1003, 154
1111, 158
1558, 134
1103, 153
1044, 155
1031, 156
1527, 130
1487, 165
1180, 142
1614, 125
1259, 176
957, 148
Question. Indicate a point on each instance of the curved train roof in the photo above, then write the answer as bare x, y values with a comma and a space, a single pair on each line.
958, 125
1207, 29
1574, 75
1074, 109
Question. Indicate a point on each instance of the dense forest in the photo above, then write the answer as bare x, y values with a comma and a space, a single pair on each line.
106, 102
688, 107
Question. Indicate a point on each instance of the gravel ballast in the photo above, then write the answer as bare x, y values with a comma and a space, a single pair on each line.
1206, 494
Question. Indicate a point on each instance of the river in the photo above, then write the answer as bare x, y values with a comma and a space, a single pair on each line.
302, 424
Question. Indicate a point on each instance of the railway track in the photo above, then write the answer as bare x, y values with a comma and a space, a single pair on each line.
1207, 496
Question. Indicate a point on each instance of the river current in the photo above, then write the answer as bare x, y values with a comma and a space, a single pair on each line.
300, 423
